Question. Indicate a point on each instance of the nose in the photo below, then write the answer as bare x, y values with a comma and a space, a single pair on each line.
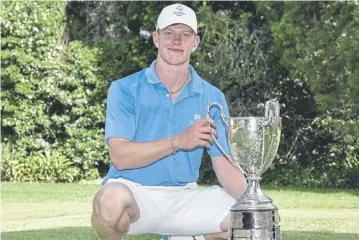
177, 38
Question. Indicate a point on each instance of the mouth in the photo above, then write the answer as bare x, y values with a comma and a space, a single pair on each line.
174, 50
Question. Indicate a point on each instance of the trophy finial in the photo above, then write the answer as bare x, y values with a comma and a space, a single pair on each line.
272, 108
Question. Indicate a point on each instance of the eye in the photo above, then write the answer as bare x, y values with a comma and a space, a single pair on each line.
187, 35
169, 33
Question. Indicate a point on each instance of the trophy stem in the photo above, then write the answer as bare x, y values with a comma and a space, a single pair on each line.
254, 216
254, 198
253, 185
254, 191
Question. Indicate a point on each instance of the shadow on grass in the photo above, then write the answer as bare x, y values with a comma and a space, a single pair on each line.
82, 233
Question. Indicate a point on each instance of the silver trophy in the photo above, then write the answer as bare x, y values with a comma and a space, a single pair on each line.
253, 145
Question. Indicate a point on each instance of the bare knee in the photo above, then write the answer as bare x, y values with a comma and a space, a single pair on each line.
221, 235
113, 201
225, 224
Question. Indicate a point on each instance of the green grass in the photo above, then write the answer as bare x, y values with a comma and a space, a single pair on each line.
62, 211
87, 233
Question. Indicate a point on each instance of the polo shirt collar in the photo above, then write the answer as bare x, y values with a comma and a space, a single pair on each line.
196, 82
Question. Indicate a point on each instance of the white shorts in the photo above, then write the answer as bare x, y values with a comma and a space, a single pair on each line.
178, 210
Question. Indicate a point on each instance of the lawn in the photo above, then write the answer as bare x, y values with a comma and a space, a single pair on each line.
62, 211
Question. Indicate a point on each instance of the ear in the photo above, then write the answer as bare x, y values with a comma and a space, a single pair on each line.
156, 39
195, 43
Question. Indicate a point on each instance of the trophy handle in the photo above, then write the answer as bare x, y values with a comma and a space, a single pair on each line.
273, 119
223, 118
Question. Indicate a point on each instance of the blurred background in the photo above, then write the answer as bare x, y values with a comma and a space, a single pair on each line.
59, 58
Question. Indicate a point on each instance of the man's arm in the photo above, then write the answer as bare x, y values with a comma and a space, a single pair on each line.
230, 178
125, 154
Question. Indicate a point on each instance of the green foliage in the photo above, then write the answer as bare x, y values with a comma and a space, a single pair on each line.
29, 37
44, 166
8, 156
316, 44
124, 50
52, 97
77, 108
233, 58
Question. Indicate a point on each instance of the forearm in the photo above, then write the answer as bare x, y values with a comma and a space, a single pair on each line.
130, 155
235, 183
231, 179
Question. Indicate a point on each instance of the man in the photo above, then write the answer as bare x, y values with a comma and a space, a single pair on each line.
156, 130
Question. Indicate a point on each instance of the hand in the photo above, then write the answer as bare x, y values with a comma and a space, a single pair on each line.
196, 135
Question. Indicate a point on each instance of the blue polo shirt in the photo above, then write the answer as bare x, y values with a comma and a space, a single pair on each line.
140, 108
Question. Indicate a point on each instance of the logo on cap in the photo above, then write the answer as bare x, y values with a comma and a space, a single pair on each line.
179, 8
180, 11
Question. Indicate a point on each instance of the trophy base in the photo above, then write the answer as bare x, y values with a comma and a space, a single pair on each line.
254, 225
254, 216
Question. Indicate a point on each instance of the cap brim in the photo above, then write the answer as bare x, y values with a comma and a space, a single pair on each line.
173, 23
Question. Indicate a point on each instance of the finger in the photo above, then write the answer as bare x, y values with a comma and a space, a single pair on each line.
203, 122
204, 143
209, 130
206, 137
211, 122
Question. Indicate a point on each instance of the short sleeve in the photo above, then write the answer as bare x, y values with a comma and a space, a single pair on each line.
120, 113
221, 129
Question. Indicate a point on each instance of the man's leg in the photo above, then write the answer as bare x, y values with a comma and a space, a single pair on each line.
199, 211
114, 208
222, 235
214, 236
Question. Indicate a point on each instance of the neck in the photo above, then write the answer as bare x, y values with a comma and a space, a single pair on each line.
173, 76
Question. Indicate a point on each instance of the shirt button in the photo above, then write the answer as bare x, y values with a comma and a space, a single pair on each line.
162, 85
167, 95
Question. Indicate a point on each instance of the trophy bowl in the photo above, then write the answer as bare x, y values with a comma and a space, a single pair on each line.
253, 145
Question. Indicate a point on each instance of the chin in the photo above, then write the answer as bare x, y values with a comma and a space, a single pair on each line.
176, 61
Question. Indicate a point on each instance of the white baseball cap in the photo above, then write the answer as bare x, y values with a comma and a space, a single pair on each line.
177, 13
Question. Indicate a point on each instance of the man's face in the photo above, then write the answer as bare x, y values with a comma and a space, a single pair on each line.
175, 43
